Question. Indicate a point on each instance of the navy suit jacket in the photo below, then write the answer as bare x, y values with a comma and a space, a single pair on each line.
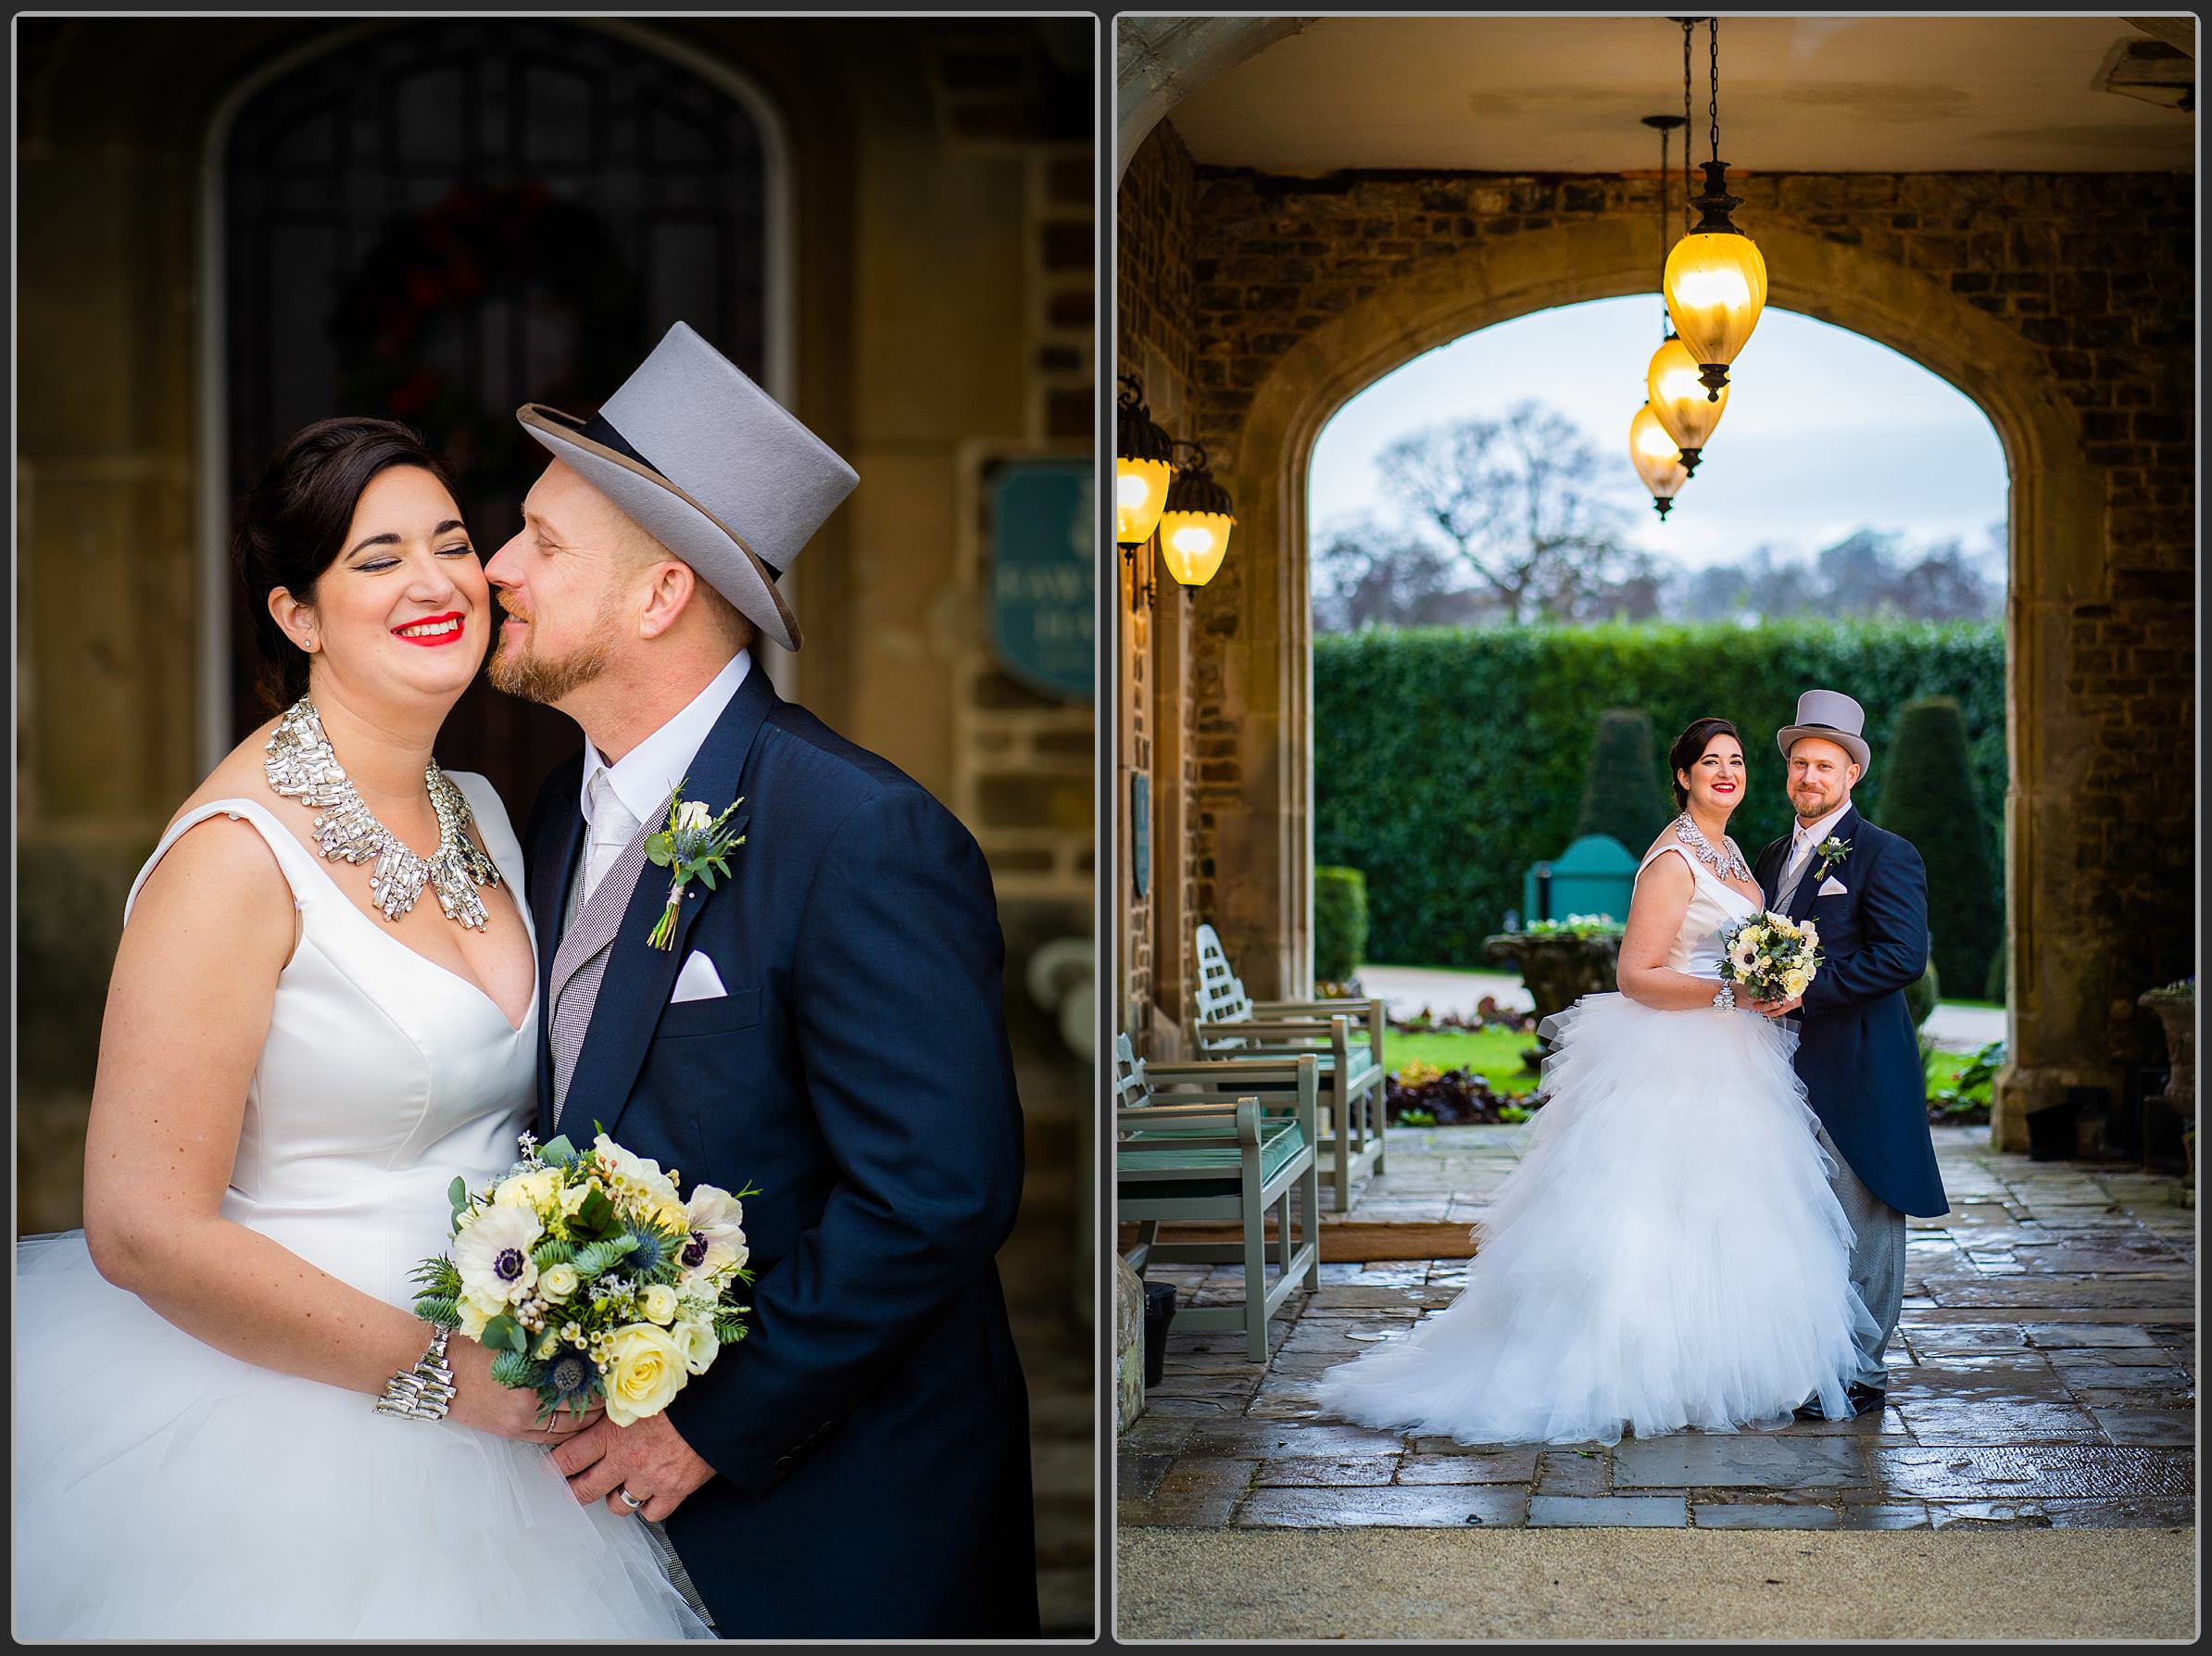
1857, 1051
870, 1434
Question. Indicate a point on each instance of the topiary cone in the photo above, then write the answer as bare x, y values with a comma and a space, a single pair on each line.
1621, 793
1928, 796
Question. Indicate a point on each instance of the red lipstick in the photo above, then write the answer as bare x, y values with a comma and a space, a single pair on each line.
447, 628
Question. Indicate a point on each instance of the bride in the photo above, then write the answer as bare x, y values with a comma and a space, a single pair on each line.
297, 1057
1668, 1253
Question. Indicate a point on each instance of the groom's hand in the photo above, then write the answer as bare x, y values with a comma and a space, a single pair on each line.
647, 1457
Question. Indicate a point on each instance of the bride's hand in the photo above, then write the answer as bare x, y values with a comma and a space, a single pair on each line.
482, 1403
1774, 1009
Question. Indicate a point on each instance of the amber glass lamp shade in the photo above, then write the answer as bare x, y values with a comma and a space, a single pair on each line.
1194, 530
1679, 399
1657, 458
1716, 286
1143, 467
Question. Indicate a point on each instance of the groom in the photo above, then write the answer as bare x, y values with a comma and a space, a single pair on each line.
827, 1026
1857, 1052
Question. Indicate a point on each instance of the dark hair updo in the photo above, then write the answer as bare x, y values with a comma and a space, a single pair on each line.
292, 526
1690, 748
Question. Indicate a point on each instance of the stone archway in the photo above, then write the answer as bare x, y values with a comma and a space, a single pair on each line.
2058, 540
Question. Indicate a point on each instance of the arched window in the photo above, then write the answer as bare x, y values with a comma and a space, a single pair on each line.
442, 220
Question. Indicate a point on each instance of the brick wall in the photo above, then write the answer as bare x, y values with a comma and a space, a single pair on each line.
2094, 273
1156, 340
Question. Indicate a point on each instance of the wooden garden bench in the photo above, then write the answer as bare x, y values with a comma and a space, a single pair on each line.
1189, 1149
1353, 1078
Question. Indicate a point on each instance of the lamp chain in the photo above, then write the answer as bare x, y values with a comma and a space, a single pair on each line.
1666, 184
1689, 29
1713, 81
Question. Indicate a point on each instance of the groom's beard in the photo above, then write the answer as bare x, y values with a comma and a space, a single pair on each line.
534, 677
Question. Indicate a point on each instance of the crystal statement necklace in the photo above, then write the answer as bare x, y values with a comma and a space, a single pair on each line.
1727, 864
301, 766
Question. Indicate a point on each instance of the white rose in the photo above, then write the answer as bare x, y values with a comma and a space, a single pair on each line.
493, 1255
646, 1370
694, 813
532, 1190
659, 1303
558, 1282
697, 1342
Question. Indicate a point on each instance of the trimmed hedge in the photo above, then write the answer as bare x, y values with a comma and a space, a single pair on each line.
1446, 761
1339, 922
1928, 796
1621, 795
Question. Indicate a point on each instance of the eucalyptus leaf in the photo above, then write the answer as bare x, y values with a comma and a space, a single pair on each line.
504, 1334
557, 1152
457, 1194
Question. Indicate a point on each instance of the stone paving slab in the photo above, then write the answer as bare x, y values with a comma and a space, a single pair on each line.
2042, 1378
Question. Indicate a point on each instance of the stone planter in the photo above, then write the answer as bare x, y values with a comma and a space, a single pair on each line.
2176, 1007
1558, 972
1129, 1346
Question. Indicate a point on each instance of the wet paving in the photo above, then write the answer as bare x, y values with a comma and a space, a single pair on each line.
2043, 1375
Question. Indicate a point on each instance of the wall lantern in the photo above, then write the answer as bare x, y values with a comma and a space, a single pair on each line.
1143, 466
1657, 459
1194, 530
1715, 278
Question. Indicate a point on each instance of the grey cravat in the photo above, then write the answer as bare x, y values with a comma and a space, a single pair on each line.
1794, 875
579, 962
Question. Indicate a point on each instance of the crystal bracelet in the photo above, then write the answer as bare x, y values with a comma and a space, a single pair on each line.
425, 1391
1726, 1000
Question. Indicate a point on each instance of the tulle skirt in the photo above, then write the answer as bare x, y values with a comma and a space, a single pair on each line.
164, 1489
1667, 1254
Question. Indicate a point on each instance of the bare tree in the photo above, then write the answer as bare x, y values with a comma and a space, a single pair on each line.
1525, 504
1370, 574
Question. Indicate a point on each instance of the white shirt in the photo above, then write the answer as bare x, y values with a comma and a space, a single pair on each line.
644, 777
1801, 838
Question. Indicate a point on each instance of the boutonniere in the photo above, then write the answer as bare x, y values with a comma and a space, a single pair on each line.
695, 845
1831, 852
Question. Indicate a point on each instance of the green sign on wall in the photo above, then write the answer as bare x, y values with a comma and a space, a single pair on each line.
1043, 538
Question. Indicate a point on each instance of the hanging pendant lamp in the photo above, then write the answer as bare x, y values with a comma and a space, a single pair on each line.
1679, 399
1657, 459
1715, 277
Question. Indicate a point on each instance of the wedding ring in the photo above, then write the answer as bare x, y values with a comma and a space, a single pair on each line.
629, 1499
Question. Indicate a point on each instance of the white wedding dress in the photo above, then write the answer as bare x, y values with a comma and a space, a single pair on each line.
1668, 1252
165, 1489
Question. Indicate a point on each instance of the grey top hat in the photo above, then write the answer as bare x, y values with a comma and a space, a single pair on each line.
1833, 717
711, 466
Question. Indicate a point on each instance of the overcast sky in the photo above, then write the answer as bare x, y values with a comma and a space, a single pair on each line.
1825, 432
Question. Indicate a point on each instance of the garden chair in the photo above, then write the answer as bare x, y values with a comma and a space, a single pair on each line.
1187, 1150
1352, 1076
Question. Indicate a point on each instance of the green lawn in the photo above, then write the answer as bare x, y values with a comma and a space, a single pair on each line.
1496, 1055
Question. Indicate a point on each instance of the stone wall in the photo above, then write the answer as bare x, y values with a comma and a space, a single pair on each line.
943, 227
1157, 341
2078, 294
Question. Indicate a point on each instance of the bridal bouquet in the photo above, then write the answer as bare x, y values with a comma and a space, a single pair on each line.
591, 1278
1769, 956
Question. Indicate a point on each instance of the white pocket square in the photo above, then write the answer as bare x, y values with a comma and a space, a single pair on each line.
1831, 886
698, 981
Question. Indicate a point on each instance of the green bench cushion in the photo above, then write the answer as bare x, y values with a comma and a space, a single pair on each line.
1215, 1168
